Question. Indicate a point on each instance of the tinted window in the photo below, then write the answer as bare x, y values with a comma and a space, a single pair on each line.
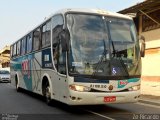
46, 34
14, 50
23, 46
43, 35
36, 39
11, 51
29, 43
57, 27
57, 20
18, 47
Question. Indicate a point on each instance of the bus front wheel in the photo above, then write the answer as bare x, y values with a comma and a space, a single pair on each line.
47, 93
48, 96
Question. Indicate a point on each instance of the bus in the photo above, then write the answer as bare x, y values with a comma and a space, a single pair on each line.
80, 57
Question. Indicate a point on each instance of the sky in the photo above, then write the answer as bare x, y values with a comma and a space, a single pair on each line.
17, 17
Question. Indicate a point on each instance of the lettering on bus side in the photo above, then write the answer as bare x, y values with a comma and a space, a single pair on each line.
26, 66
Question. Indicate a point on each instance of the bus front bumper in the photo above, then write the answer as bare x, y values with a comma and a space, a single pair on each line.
88, 98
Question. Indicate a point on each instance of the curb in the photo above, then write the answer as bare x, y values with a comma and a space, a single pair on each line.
149, 102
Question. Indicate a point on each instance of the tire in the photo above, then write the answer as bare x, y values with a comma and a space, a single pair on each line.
48, 94
17, 87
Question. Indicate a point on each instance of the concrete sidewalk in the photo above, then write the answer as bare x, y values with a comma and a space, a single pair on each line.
149, 99
150, 88
150, 92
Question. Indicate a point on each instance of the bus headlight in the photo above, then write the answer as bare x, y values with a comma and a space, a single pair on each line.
134, 88
79, 88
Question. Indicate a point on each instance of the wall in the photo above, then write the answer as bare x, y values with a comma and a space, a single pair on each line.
152, 35
151, 62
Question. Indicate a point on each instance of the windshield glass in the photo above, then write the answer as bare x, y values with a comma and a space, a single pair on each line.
4, 72
102, 46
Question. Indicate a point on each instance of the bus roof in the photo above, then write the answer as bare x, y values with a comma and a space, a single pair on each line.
79, 10
92, 11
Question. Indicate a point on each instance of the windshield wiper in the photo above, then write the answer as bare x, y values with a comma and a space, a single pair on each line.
103, 57
115, 53
123, 65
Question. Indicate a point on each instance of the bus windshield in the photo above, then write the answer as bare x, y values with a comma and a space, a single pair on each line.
102, 46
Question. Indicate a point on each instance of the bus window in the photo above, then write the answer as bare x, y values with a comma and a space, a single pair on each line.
29, 43
46, 34
57, 26
61, 60
23, 46
14, 50
43, 35
18, 47
36, 39
57, 20
11, 50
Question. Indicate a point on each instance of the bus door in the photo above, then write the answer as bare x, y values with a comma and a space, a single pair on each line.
59, 57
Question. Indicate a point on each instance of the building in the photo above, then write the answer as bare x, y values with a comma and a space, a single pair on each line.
147, 20
5, 57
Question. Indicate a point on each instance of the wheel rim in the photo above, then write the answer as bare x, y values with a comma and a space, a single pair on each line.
48, 94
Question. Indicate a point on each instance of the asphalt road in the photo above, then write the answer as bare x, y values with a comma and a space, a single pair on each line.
27, 106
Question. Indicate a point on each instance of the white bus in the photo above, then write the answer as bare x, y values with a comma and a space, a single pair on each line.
80, 57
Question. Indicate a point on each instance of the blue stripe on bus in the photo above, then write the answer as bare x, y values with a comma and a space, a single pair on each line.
89, 80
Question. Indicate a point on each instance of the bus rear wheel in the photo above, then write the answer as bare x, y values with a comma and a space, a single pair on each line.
17, 86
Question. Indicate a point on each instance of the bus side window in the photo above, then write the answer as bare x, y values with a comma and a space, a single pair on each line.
57, 27
43, 35
11, 51
29, 43
61, 60
46, 34
18, 47
36, 39
23, 46
14, 50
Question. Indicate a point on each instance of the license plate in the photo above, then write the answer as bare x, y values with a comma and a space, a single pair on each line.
110, 99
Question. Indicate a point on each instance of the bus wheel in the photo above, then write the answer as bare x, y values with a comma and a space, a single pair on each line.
48, 94
17, 87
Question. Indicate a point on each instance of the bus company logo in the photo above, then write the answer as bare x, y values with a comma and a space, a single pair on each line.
123, 82
26, 67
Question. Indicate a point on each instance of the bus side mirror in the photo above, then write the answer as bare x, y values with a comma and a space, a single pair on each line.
143, 45
65, 37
